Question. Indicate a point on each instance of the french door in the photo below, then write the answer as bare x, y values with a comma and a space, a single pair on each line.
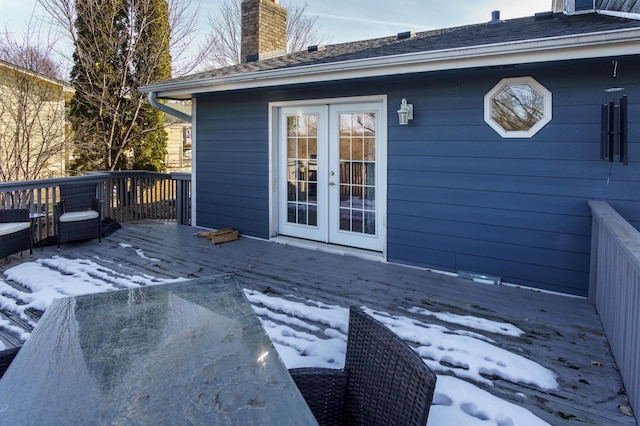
332, 186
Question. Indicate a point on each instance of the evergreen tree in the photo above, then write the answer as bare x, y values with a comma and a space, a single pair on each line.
119, 46
153, 62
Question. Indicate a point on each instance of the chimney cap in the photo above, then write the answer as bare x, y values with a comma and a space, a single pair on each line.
495, 18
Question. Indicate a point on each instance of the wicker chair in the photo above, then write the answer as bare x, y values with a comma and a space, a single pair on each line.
77, 215
15, 232
384, 381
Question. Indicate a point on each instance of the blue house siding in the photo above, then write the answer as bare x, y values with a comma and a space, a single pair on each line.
232, 165
463, 198
460, 197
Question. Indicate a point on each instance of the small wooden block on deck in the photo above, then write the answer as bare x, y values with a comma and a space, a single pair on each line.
221, 236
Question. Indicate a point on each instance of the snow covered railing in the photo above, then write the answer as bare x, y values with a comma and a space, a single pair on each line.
614, 288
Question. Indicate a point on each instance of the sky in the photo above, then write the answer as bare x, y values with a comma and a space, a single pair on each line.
309, 333
352, 20
341, 21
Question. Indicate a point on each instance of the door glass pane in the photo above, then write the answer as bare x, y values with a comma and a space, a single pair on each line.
370, 173
369, 222
345, 147
345, 172
302, 169
357, 147
369, 153
357, 172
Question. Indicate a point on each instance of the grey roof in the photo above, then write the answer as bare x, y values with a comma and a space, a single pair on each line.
450, 38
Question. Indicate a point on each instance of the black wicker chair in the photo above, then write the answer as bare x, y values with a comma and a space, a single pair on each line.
78, 214
6, 357
384, 382
15, 230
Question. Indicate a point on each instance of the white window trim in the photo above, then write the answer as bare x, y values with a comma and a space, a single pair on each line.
530, 81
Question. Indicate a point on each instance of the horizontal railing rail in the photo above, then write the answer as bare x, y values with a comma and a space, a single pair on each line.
126, 196
614, 288
137, 195
39, 196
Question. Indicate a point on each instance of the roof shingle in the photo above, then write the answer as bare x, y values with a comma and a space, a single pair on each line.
521, 29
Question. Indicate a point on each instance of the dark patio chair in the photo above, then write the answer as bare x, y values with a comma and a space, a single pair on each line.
15, 232
77, 215
6, 357
384, 382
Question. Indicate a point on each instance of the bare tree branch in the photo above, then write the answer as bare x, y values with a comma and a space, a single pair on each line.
223, 42
32, 108
183, 19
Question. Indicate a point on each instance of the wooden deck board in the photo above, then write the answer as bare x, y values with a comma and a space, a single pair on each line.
563, 334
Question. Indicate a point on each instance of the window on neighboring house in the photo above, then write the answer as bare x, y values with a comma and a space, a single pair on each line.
517, 107
186, 142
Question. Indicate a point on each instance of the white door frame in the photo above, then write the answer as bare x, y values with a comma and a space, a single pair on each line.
381, 160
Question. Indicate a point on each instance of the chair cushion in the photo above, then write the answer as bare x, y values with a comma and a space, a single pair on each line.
11, 227
78, 216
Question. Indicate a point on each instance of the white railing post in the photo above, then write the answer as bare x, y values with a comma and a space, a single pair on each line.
614, 288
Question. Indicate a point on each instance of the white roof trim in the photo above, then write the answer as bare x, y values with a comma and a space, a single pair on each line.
591, 45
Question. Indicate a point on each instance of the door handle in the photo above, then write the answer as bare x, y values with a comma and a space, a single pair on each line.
332, 184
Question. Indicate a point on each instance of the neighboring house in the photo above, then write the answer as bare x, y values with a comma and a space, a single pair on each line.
491, 175
178, 140
33, 131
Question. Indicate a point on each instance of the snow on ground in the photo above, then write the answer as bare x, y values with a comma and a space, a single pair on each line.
313, 334
473, 322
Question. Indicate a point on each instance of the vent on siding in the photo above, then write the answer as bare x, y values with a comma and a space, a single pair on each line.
480, 278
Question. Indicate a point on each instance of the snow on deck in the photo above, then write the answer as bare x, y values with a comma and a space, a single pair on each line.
503, 355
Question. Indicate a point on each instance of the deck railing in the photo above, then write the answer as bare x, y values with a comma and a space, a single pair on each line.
137, 195
614, 288
126, 195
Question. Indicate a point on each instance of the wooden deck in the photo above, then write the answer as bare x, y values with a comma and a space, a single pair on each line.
563, 334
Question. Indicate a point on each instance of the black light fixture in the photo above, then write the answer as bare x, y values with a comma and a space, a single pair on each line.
614, 136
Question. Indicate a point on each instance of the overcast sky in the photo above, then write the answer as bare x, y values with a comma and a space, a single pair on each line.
349, 20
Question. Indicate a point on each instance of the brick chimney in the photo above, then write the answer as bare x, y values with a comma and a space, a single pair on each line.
264, 30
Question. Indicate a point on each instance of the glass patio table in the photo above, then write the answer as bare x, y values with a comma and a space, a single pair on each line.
192, 352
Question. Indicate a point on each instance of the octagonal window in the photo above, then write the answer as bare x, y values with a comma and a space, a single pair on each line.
517, 107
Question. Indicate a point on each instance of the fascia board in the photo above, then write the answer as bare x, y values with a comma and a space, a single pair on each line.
592, 45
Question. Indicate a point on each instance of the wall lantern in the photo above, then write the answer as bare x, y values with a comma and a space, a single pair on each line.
405, 113
614, 137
